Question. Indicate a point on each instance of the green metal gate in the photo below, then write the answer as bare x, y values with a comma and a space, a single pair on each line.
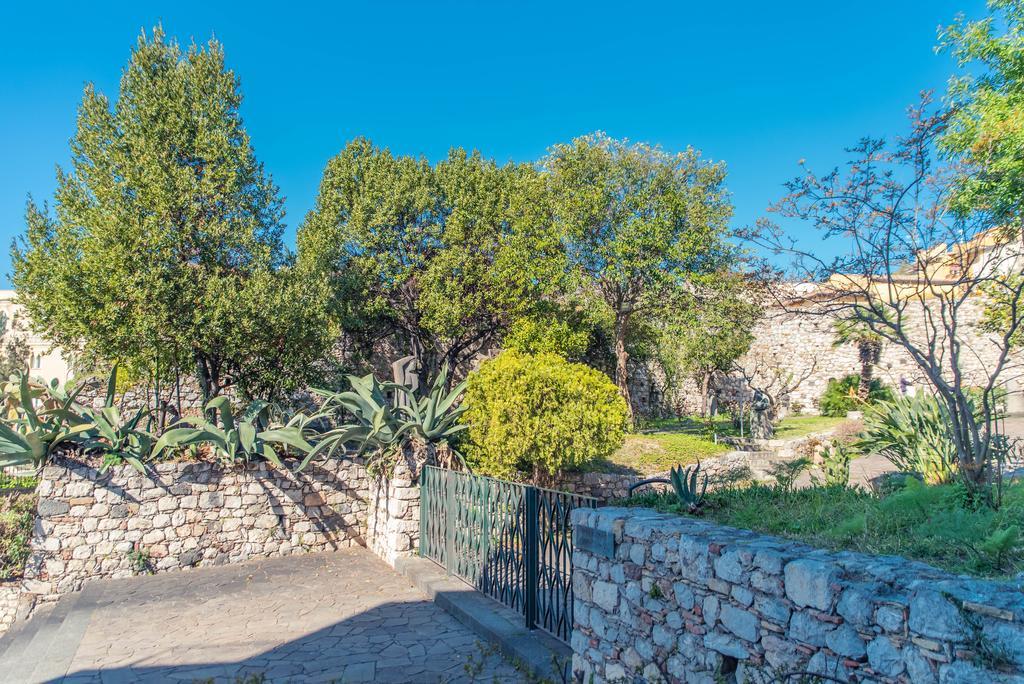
511, 541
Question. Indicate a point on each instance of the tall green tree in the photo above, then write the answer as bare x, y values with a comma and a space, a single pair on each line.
440, 258
986, 130
709, 334
164, 249
643, 227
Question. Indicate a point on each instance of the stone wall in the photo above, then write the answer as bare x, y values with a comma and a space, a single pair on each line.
186, 514
10, 597
183, 515
393, 515
683, 600
798, 346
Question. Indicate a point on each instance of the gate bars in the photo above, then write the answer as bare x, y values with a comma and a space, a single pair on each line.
511, 541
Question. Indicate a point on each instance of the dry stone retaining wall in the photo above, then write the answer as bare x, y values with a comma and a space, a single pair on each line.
182, 515
683, 600
186, 514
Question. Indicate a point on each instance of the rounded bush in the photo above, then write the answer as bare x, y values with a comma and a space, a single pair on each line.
536, 415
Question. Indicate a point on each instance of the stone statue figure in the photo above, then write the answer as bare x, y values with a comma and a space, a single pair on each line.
761, 420
406, 371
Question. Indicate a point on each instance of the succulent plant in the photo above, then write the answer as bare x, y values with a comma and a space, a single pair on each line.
241, 437
689, 485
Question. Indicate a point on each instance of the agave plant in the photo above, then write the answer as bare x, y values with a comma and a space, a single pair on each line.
39, 419
913, 434
689, 485
434, 418
380, 427
244, 437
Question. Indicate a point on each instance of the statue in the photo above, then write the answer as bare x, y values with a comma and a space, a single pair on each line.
761, 420
406, 371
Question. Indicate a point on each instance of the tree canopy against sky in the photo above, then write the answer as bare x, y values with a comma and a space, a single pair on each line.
986, 130
641, 226
441, 258
163, 250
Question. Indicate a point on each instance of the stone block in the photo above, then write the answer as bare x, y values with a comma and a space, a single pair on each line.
932, 615
811, 583
742, 623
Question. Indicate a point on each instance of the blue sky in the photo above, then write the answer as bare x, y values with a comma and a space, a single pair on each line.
759, 85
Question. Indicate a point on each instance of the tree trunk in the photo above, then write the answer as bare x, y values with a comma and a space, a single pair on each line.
866, 350
705, 389
621, 362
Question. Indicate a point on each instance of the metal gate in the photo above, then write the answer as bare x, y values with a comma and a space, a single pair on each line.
511, 541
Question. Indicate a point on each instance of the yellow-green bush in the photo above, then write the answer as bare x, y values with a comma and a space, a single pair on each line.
538, 414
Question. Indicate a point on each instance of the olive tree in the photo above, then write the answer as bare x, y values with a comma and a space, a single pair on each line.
641, 227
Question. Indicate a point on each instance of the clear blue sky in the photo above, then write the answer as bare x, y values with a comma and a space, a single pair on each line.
759, 85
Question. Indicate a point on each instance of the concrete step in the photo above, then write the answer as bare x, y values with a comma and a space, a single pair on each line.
23, 658
58, 656
19, 636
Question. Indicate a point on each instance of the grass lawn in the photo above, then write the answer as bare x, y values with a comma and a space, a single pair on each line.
664, 443
937, 525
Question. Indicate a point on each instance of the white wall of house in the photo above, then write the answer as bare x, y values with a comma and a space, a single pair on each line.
46, 360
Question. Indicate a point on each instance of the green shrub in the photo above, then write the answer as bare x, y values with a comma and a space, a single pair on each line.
840, 396
16, 516
913, 434
540, 414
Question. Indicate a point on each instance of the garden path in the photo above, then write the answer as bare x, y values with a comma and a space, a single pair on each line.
342, 616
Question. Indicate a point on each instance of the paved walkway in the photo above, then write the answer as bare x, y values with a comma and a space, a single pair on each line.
343, 616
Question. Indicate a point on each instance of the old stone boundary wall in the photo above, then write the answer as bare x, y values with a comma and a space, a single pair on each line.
670, 598
798, 345
190, 514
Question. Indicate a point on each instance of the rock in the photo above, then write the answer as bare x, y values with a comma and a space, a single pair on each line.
845, 641
932, 615
726, 645
884, 658
51, 507
606, 595
804, 628
740, 622
810, 583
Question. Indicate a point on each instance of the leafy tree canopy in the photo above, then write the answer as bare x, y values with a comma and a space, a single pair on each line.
987, 127
442, 257
164, 247
642, 227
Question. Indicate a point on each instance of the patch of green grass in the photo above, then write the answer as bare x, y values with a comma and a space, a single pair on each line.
16, 516
800, 426
647, 454
663, 443
17, 482
939, 525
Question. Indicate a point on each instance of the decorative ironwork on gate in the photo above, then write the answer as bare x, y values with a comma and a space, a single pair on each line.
511, 541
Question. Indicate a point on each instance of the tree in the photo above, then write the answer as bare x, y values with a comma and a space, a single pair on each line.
910, 267
14, 350
869, 349
986, 129
164, 250
444, 257
641, 226
708, 336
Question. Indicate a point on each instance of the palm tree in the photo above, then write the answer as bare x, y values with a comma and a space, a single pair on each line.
858, 332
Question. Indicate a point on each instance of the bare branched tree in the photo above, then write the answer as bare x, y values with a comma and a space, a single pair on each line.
913, 268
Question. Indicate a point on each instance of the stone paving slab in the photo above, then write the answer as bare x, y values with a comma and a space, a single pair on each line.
343, 616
